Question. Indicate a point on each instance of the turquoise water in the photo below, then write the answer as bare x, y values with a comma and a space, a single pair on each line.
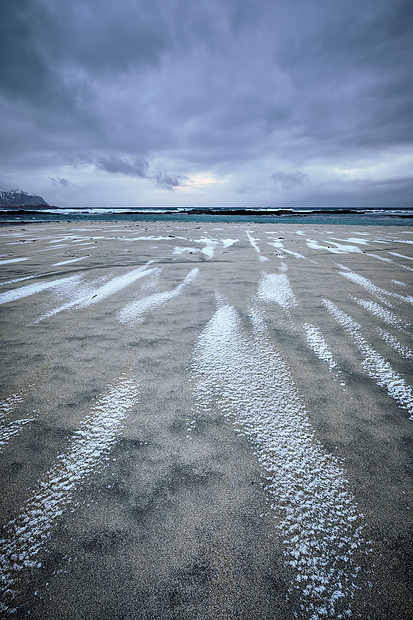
360, 216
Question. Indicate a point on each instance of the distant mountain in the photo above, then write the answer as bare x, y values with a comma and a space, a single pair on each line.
17, 198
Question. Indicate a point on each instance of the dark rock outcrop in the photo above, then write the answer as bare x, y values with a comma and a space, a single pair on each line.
17, 198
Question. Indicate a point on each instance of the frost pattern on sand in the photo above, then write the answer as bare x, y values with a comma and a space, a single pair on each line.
296, 254
383, 258
280, 247
40, 275
227, 243
314, 508
375, 365
355, 240
386, 315
395, 344
104, 291
276, 244
275, 287
9, 430
12, 260
24, 536
70, 260
316, 341
389, 260
9, 404
152, 238
372, 288
401, 255
210, 245
187, 249
340, 248
136, 309
255, 246
32, 289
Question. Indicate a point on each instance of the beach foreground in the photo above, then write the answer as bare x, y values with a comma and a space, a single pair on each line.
206, 420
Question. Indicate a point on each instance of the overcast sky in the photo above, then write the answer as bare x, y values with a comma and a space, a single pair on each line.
207, 102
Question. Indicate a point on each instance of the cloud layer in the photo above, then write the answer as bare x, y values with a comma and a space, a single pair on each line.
273, 102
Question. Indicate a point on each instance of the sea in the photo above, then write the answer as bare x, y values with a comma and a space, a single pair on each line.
360, 216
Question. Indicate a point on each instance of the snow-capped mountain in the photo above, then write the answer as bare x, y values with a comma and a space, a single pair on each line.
17, 198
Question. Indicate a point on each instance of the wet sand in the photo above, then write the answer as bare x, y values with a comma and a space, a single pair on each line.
206, 421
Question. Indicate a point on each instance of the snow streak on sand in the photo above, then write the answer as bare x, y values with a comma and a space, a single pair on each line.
401, 255
104, 291
389, 260
136, 309
355, 240
395, 344
386, 315
227, 243
9, 404
296, 254
382, 258
256, 248
187, 249
40, 275
372, 288
31, 289
340, 248
316, 341
9, 429
24, 536
12, 260
70, 260
314, 508
375, 365
210, 245
275, 287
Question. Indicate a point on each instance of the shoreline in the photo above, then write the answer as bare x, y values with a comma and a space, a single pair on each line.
289, 215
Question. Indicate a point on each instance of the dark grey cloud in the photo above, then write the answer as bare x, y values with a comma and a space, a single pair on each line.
139, 167
248, 189
142, 86
169, 181
128, 165
61, 181
289, 180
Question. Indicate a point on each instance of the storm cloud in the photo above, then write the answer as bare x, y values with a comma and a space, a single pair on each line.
289, 102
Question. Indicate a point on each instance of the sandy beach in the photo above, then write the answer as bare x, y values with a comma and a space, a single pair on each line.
206, 420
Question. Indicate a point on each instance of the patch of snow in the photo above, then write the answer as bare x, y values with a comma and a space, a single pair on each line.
188, 250
372, 288
315, 510
71, 260
29, 532
227, 243
339, 248
275, 287
404, 351
12, 260
32, 289
383, 313
136, 309
401, 255
253, 243
375, 365
109, 288
318, 344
